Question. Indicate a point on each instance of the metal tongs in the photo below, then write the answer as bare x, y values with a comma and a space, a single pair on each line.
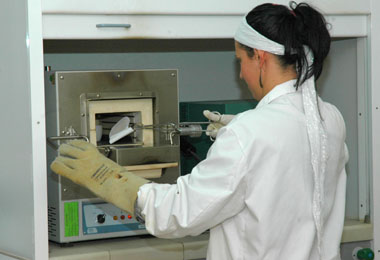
192, 129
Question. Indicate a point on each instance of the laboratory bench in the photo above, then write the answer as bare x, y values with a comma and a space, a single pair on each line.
355, 230
147, 247
133, 248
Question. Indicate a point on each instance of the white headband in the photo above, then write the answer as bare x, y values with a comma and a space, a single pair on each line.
246, 35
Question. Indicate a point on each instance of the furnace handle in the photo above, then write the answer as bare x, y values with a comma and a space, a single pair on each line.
50, 140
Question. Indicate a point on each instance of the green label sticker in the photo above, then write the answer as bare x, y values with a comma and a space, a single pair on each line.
71, 219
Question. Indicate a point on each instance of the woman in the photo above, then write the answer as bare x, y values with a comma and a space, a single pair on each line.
273, 183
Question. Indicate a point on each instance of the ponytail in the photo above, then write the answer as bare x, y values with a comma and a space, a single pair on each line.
294, 27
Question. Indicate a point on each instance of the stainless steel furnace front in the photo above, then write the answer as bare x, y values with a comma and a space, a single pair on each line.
87, 104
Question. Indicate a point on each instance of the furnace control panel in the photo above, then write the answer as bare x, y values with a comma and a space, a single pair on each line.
105, 218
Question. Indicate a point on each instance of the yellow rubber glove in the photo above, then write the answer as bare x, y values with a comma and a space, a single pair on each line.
217, 122
82, 163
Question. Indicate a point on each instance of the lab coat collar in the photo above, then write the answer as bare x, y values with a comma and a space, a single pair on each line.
279, 90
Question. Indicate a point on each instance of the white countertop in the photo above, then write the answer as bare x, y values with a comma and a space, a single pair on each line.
135, 248
151, 248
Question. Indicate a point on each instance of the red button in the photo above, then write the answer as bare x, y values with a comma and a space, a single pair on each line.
122, 217
129, 216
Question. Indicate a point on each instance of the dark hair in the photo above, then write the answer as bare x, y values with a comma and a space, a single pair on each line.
295, 27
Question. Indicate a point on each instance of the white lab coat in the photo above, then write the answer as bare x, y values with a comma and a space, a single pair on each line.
254, 190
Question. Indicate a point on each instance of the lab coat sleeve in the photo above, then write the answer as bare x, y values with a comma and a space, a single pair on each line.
212, 193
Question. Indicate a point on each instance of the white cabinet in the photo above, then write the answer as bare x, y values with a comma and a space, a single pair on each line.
172, 19
98, 26
182, 7
23, 198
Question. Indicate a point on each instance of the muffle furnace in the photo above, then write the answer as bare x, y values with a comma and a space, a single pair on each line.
86, 105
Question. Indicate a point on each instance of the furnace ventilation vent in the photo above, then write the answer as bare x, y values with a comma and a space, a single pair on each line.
52, 221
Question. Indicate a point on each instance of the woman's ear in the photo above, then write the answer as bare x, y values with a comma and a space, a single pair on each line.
261, 56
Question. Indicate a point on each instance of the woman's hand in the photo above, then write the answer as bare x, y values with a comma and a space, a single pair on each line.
217, 121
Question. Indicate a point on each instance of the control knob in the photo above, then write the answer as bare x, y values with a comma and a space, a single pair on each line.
101, 218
